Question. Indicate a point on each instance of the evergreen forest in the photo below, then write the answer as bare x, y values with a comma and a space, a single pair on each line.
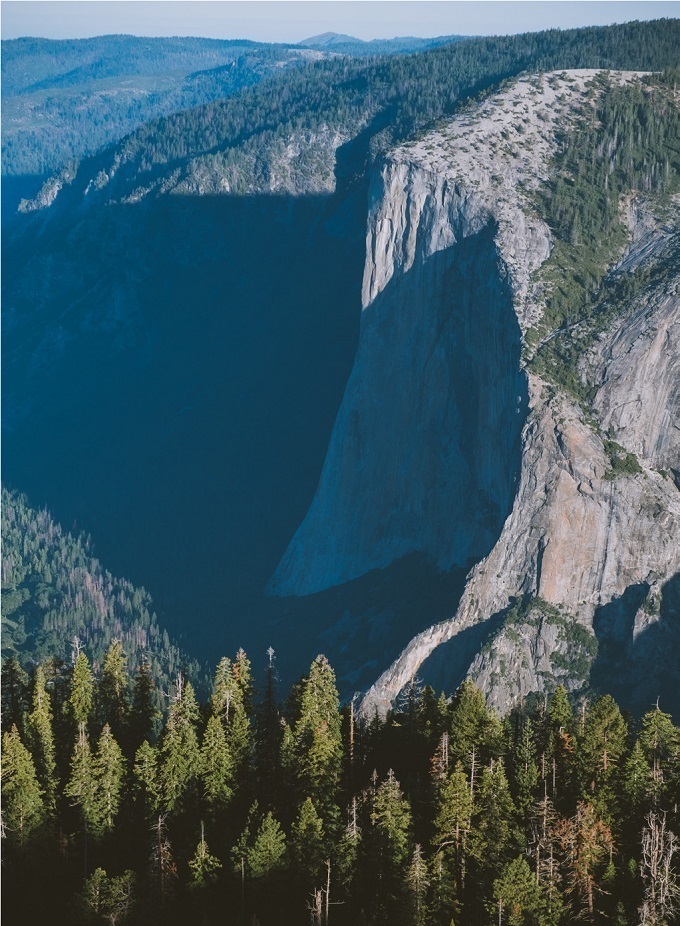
139, 787
380, 100
56, 596
246, 810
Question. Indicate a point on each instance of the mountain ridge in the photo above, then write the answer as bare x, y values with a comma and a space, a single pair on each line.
248, 145
194, 243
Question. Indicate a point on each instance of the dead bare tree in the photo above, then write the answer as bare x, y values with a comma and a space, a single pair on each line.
662, 885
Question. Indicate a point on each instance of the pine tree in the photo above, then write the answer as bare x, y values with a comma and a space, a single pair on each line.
560, 714
453, 816
108, 899
23, 809
224, 691
586, 843
244, 680
267, 854
232, 702
216, 768
637, 779
386, 851
600, 750
146, 778
417, 883
109, 772
517, 899
14, 685
317, 740
391, 816
81, 697
525, 769
204, 866
41, 742
475, 732
308, 843
559, 748
144, 715
179, 764
660, 741
433, 715
81, 787
494, 835
287, 759
113, 699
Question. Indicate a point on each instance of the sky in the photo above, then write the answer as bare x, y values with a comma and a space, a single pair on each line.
288, 21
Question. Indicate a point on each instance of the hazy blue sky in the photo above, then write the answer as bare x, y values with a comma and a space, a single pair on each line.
287, 21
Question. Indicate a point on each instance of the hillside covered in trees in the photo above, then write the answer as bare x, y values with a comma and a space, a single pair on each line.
57, 596
241, 810
236, 145
67, 98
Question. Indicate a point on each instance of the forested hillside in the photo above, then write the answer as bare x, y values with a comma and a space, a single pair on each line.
56, 597
65, 99
244, 811
240, 145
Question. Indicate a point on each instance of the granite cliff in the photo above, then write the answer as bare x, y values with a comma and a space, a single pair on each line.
449, 443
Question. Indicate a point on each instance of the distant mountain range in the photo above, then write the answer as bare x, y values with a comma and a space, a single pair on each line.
66, 99
349, 45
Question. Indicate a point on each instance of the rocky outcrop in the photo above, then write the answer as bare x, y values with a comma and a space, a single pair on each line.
576, 539
638, 368
438, 411
424, 455
300, 164
49, 191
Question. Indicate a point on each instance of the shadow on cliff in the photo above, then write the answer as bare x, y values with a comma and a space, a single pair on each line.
171, 374
423, 464
426, 450
637, 668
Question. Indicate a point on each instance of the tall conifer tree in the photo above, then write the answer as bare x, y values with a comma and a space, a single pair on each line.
308, 843
113, 696
14, 683
179, 751
81, 696
147, 780
317, 740
23, 809
216, 768
109, 773
41, 741
81, 787
144, 714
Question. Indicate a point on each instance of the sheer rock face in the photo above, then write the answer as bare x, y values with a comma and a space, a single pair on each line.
444, 445
425, 448
639, 367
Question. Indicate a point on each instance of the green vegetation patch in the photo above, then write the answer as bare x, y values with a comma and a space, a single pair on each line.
577, 646
626, 143
54, 590
622, 462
